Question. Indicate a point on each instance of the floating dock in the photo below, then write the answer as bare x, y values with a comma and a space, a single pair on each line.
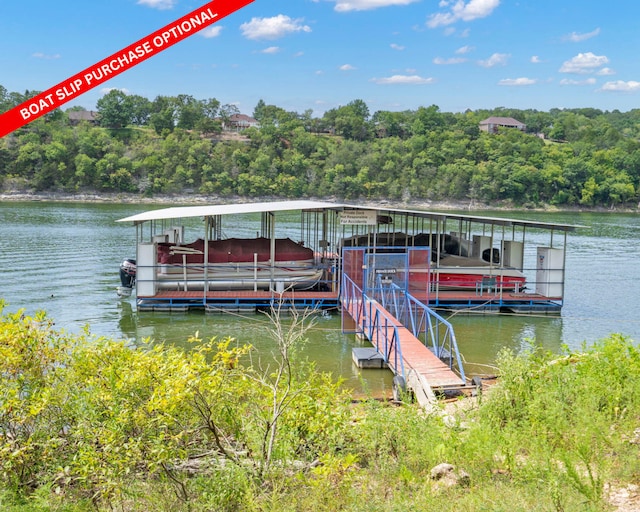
501, 248
236, 301
416, 367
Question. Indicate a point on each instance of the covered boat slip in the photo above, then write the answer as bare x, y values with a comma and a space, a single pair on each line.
245, 256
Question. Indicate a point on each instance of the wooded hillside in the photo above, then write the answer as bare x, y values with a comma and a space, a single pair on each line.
179, 145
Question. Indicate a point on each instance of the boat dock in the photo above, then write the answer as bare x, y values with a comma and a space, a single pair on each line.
250, 301
478, 264
390, 271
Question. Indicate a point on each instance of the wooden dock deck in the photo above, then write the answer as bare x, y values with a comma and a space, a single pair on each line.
454, 300
175, 300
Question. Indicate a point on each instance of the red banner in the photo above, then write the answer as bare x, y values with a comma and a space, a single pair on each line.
117, 63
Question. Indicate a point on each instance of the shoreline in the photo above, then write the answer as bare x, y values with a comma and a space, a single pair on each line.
195, 199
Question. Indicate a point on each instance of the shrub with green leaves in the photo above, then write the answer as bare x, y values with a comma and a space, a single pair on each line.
565, 419
31, 424
92, 423
87, 415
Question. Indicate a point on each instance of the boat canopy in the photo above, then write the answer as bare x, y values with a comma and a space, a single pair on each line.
178, 212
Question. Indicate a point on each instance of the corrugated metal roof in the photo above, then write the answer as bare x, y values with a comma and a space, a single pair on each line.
506, 221
183, 212
280, 206
498, 221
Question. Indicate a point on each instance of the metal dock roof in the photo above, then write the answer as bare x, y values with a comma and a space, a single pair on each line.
177, 212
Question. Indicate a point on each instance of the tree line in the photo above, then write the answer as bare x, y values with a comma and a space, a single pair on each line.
175, 144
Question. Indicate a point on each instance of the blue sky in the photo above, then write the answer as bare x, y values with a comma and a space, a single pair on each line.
321, 54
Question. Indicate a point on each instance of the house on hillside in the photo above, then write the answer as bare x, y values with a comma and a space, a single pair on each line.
491, 124
240, 122
77, 116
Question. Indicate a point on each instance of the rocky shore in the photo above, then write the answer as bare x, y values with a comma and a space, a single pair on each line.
195, 199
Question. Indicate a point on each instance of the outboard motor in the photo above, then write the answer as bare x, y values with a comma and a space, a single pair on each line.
127, 277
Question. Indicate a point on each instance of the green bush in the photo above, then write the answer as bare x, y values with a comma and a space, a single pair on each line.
90, 424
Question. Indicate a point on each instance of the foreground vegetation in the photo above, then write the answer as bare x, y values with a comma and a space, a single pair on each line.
172, 145
94, 424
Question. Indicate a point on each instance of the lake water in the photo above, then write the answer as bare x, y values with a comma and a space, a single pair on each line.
64, 258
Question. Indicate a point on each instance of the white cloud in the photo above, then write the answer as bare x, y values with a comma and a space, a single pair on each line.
210, 32
621, 85
367, 5
535, 59
272, 28
158, 4
459, 10
497, 59
451, 60
574, 37
464, 49
606, 72
568, 81
403, 79
271, 49
346, 67
583, 63
46, 56
397, 46
517, 81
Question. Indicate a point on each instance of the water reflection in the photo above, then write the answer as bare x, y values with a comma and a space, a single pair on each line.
128, 320
481, 337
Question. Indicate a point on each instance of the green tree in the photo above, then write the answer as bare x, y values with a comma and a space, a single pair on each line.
5, 100
115, 109
163, 115
258, 111
209, 123
140, 109
189, 111
427, 119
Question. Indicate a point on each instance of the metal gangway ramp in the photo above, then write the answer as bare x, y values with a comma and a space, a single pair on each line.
416, 343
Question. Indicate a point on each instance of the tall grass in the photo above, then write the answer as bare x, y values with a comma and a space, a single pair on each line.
163, 429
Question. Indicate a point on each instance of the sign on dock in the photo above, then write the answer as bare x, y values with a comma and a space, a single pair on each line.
358, 217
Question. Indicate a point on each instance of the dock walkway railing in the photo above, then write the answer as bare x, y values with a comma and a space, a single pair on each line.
423, 322
380, 328
399, 309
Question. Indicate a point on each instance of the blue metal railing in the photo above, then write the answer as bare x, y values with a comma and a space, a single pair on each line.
378, 327
425, 324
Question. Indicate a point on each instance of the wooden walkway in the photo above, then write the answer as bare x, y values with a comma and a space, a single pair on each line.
421, 366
